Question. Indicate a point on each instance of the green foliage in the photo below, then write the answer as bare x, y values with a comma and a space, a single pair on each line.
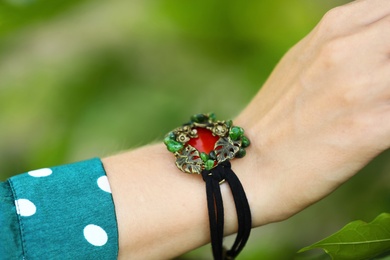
75, 74
16, 14
358, 240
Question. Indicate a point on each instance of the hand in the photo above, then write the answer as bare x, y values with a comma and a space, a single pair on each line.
322, 115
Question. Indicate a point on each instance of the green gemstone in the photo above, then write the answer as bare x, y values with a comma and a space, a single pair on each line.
204, 157
212, 117
229, 123
199, 118
212, 155
174, 146
241, 153
169, 137
236, 132
209, 164
245, 142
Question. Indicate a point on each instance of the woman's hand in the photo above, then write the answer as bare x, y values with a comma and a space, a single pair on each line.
322, 115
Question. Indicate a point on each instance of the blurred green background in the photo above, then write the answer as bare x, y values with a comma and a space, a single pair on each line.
85, 78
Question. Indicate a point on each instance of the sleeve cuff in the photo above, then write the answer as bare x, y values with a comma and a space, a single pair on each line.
66, 212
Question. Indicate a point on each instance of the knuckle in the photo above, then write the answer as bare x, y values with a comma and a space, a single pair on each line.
334, 12
332, 18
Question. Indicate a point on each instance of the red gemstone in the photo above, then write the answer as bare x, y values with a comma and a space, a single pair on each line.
204, 142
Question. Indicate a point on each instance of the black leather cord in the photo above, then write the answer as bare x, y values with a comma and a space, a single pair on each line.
213, 177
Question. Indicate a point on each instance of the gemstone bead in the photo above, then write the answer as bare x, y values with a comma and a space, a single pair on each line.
199, 118
169, 137
174, 146
241, 153
236, 132
229, 123
205, 141
245, 141
209, 164
212, 117
212, 155
204, 157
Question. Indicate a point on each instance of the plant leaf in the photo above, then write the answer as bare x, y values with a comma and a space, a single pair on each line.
357, 240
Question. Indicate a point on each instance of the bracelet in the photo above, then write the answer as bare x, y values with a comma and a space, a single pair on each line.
205, 146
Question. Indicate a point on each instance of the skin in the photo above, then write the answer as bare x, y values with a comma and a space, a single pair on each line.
322, 115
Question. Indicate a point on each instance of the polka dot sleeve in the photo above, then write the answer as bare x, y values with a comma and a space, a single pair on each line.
64, 212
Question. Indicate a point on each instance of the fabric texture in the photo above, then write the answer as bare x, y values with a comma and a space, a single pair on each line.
10, 240
63, 212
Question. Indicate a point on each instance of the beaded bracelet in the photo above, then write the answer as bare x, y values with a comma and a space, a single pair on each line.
205, 146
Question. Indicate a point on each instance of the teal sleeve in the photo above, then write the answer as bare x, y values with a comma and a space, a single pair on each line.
63, 212
10, 240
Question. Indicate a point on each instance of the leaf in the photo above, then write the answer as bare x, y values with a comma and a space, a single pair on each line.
226, 149
357, 240
189, 160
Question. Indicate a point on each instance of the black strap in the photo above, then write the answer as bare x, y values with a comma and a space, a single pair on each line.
213, 178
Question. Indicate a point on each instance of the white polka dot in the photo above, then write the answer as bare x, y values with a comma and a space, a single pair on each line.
95, 235
41, 172
104, 184
25, 208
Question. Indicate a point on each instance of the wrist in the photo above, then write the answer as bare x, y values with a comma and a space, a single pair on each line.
260, 172
157, 206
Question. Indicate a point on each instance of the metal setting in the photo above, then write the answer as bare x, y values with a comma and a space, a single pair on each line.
231, 143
